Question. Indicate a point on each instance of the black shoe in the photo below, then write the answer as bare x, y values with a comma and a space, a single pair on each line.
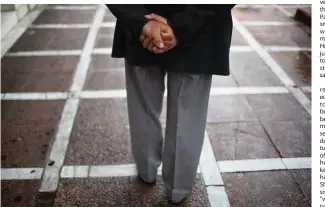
177, 203
145, 182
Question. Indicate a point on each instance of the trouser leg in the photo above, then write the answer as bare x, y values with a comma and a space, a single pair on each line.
188, 97
145, 91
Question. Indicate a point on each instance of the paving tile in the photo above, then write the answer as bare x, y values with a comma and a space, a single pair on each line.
37, 74
104, 42
36, 82
281, 35
291, 138
267, 189
223, 81
303, 177
106, 31
248, 69
309, 95
31, 112
229, 108
142, 195
277, 107
99, 145
18, 193
95, 112
105, 37
237, 39
28, 127
109, 79
39, 64
236, 141
50, 39
260, 14
296, 64
106, 61
25, 145
93, 192
109, 17
65, 17
100, 134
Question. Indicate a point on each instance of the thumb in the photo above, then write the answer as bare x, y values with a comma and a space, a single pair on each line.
156, 17
150, 16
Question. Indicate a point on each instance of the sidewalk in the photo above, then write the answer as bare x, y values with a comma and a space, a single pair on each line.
63, 106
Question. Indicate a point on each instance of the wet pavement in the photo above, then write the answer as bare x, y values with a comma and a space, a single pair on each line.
50, 93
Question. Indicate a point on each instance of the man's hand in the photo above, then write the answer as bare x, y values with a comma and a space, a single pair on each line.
156, 17
153, 30
166, 36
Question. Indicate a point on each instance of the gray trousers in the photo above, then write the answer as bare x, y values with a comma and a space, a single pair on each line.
187, 102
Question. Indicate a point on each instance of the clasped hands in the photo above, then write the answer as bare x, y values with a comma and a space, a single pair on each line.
157, 36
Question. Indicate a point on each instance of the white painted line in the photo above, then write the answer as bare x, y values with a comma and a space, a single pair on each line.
286, 49
59, 148
25, 96
75, 171
103, 94
18, 30
241, 49
83, 65
248, 90
84, 171
60, 26
267, 23
218, 196
306, 89
71, 7
209, 167
284, 11
56, 95
35, 96
270, 164
275, 67
108, 24
215, 91
232, 166
44, 53
102, 51
113, 170
51, 176
21, 173
297, 163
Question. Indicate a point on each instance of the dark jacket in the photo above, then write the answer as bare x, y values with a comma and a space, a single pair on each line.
203, 33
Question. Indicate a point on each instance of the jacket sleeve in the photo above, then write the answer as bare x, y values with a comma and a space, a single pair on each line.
131, 16
187, 24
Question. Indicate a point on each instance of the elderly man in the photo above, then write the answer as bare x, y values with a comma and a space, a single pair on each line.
189, 43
